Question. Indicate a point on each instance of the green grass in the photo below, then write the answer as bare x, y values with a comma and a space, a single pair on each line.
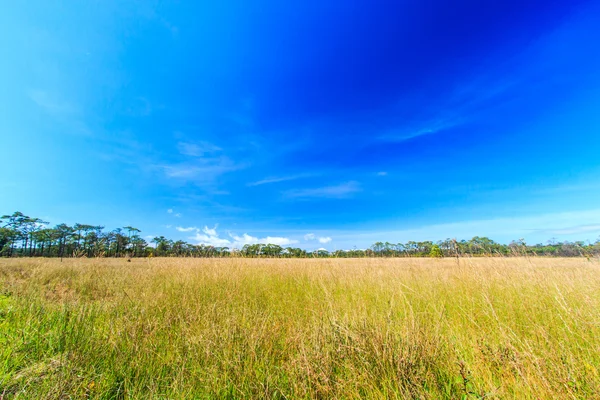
266, 328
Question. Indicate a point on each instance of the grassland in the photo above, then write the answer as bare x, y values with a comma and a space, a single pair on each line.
293, 328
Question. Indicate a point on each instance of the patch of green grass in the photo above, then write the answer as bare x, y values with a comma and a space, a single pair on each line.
251, 328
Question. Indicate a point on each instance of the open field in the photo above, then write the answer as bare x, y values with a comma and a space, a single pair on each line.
297, 328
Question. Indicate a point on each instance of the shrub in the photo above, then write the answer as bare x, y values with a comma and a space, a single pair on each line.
436, 252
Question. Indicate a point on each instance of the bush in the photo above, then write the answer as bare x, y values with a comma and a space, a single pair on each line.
436, 252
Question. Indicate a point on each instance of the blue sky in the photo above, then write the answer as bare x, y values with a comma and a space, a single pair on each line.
317, 124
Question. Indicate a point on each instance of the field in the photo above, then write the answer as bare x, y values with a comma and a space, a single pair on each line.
300, 328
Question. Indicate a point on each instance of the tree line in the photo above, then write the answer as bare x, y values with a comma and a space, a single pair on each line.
24, 236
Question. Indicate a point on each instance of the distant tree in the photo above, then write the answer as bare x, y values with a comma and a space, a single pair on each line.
64, 233
436, 252
21, 235
7, 239
272, 250
138, 245
162, 245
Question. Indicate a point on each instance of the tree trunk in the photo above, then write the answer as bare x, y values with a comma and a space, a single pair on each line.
61, 247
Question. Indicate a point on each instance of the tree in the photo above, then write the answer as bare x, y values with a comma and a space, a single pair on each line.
436, 252
21, 235
138, 245
131, 234
7, 239
272, 250
321, 253
15, 222
162, 245
64, 233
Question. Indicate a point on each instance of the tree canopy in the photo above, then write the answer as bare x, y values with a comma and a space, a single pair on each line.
24, 236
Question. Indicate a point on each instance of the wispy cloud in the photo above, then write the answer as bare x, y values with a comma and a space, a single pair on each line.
340, 191
573, 230
458, 108
203, 163
197, 149
51, 104
277, 179
173, 213
201, 170
534, 228
428, 128
62, 111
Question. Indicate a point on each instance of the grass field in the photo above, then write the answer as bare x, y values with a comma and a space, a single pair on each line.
300, 328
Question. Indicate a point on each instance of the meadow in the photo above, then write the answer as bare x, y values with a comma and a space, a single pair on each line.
414, 328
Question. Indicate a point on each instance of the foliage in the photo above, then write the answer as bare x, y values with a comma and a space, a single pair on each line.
22, 236
436, 252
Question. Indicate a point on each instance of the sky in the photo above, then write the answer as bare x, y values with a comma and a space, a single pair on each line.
304, 123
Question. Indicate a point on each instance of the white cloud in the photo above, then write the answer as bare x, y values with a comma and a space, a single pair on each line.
210, 236
244, 239
210, 232
177, 215
200, 238
240, 241
189, 229
382, 173
322, 240
170, 211
343, 190
282, 241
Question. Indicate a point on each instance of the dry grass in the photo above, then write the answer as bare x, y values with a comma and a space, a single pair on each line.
291, 328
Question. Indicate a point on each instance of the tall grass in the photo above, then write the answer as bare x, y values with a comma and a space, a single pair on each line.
293, 328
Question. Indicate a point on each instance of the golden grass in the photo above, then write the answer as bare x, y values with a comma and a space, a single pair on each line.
300, 328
